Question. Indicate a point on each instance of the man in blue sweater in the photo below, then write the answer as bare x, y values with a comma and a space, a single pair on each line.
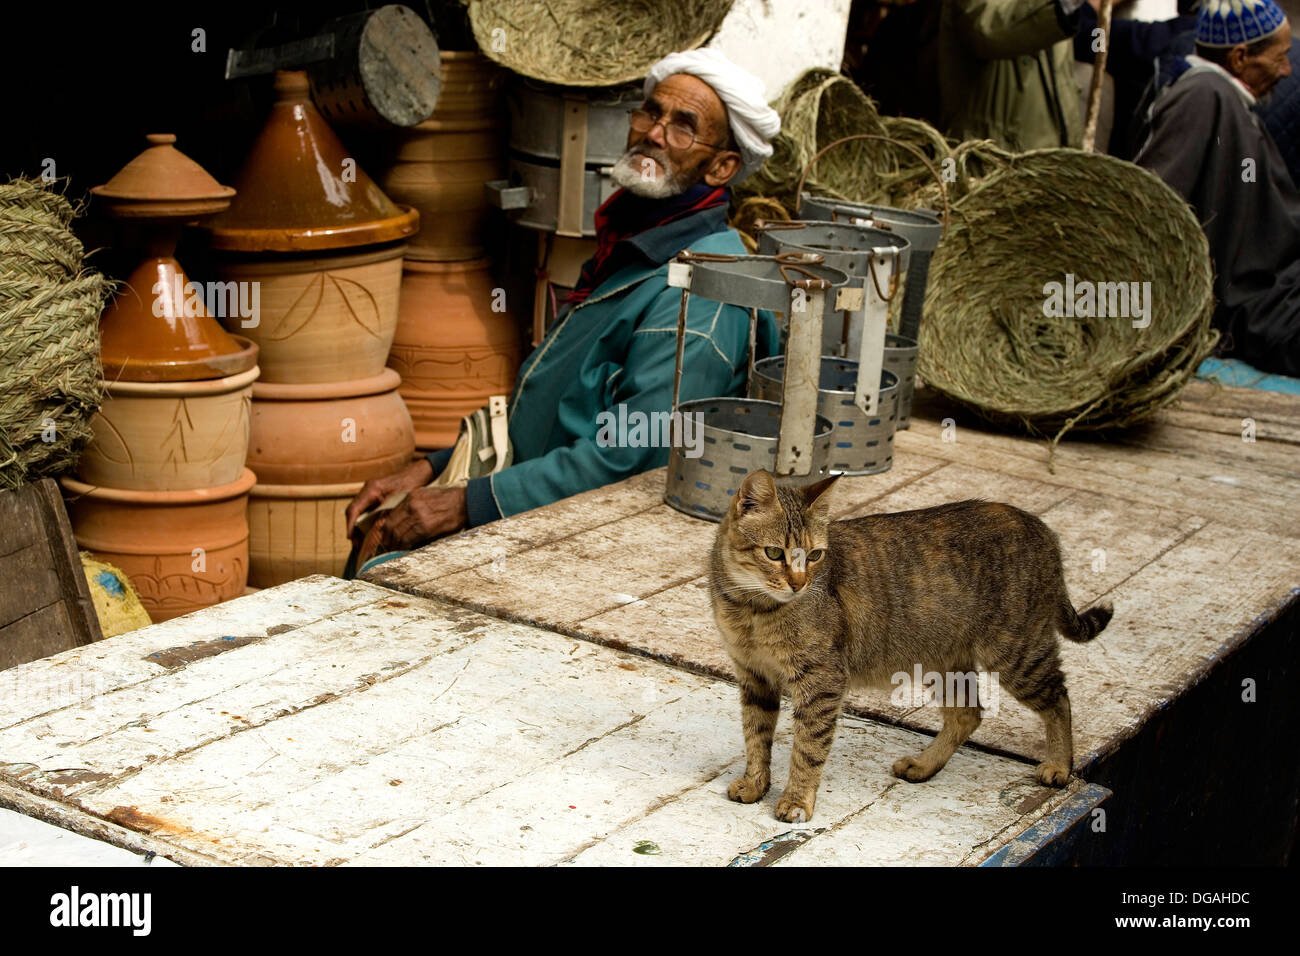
704, 124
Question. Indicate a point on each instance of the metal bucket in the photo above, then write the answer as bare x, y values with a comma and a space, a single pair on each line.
861, 444
740, 436
900, 358
563, 143
920, 227
843, 246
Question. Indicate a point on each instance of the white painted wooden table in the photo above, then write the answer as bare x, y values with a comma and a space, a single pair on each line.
1191, 532
329, 722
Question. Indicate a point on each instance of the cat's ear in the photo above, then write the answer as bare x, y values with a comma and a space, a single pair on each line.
816, 494
757, 491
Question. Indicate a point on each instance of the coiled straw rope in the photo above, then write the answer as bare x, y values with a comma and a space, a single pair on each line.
49, 335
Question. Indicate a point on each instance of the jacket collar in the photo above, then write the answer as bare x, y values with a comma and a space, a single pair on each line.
1199, 65
661, 243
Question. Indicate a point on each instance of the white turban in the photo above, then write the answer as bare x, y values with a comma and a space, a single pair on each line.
753, 123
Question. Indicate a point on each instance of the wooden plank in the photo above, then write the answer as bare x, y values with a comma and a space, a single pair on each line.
1230, 402
45, 605
1259, 502
66, 680
466, 746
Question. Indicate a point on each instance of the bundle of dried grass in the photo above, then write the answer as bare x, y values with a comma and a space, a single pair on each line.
49, 335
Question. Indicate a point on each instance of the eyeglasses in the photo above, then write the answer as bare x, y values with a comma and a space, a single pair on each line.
677, 135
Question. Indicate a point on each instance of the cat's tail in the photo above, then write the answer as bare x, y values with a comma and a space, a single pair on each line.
1081, 628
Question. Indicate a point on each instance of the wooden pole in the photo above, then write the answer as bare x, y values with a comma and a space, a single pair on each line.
1098, 77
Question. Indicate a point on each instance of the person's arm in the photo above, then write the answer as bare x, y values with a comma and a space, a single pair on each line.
997, 29
716, 338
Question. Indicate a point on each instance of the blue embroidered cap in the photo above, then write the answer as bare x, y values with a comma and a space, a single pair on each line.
1225, 23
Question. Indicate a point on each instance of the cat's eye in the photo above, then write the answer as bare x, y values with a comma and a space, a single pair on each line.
774, 553
816, 554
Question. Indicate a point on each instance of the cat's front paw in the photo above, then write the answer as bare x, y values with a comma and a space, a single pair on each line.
794, 809
748, 789
1053, 774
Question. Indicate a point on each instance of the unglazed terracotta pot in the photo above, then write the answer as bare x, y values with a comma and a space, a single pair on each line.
329, 434
169, 436
440, 166
182, 550
297, 530
326, 317
451, 349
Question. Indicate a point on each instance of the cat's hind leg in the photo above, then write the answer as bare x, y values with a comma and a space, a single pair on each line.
1036, 680
958, 724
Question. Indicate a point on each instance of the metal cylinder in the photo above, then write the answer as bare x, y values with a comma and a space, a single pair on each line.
861, 444
920, 227
900, 358
737, 436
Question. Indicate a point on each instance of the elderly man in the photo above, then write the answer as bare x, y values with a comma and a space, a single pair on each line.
703, 125
1207, 141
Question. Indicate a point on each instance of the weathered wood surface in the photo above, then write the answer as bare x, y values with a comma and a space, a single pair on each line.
331, 722
45, 604
1189, 530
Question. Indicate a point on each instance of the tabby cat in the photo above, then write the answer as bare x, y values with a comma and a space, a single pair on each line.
810, 607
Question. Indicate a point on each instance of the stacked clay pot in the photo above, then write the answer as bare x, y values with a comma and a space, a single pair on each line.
161, 491
324, 246
456, 343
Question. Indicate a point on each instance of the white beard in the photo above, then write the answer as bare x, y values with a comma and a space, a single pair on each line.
636, 173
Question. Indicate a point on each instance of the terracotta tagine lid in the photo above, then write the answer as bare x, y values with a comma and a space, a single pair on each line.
163, 183
158, 328
300, 190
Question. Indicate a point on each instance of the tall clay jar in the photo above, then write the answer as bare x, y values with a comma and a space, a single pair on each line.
455, 346
440, 166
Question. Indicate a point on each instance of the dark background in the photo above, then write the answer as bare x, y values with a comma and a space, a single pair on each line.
84, 83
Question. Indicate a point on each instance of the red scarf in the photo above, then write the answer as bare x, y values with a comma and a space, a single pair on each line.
624, 215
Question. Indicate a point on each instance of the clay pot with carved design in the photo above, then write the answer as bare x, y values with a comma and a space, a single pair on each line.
312, 447
182, 550
453, 349
168, 436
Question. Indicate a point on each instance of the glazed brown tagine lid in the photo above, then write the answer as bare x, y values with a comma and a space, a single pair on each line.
300, 190
159, 327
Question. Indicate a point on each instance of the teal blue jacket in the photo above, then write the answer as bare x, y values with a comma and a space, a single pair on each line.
617, 347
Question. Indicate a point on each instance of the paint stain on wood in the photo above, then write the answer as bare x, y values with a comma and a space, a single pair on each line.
64, 778
187, 654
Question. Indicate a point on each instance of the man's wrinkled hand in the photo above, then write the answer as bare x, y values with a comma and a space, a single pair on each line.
427, 513
377, 490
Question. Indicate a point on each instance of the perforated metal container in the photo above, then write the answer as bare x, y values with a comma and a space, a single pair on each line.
846, 247
920, 227
900, 358
739, 436
862, 444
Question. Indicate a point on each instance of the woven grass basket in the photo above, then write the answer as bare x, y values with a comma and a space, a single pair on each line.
987, 341
590, 42
822, 107
49, 335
